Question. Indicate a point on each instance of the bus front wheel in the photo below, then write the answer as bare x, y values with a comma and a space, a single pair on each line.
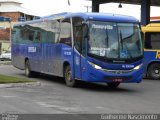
113, 85
28, 72
68, 77
154, 71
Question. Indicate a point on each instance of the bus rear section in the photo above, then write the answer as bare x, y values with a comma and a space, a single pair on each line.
91, 47
151, 35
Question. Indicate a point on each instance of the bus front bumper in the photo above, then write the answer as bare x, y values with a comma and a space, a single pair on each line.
99, 75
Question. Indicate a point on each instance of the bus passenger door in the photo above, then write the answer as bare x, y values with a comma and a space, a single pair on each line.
79, 53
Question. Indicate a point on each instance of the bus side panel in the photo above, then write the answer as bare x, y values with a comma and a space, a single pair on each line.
149, 56
34, 52
57, 60
18, 55
54, 56
52, 59
46, 57
67, 57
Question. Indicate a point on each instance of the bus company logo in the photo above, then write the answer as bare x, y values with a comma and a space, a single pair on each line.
158, 54
127, 66
31, 49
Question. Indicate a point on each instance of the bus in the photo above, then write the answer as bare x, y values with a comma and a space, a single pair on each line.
151, 35
91, 47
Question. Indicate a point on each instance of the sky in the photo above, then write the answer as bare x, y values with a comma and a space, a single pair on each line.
47, 7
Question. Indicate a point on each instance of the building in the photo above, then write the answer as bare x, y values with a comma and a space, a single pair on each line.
155, 19
11, 9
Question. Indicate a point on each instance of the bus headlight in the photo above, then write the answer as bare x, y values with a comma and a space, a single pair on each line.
138, 67
95, 66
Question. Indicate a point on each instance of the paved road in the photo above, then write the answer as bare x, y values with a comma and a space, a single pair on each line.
52, 96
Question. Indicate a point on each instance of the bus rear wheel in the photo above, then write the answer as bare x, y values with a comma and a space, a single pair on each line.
113, 85
68, 77
154, 71
28, 72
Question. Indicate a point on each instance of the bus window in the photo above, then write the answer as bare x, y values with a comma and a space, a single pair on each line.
78, 33
152, 40
38, 36
15, 34
53, 31
78, 37
40, 29
147, 42
65, 32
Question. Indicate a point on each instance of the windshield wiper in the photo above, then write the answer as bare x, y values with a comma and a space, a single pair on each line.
123, 43
107, 37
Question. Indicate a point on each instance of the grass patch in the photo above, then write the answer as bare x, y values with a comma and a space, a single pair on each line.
4, 79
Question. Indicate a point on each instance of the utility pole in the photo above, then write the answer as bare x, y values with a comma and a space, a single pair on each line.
10, 31
88, 7
69, 3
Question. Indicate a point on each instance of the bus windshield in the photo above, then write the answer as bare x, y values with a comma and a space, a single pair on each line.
114, 40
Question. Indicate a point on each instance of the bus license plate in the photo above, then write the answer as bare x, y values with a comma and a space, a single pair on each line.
117, 79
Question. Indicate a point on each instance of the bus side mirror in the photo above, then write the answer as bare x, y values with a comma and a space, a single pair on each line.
85, 30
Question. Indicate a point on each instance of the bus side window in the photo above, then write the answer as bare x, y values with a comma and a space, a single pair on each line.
78, 34
65, 32
31, 35
53, 31
155, 40
147, 40
15, 34
78, 37
152, 40
38, 36
27, 34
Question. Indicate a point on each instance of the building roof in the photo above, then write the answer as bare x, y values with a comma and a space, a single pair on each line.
10, 1
14, 6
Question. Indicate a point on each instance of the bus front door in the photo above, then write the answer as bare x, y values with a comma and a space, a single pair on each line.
79, 54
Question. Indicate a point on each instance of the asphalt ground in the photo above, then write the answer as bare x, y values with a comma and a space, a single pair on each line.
53, 97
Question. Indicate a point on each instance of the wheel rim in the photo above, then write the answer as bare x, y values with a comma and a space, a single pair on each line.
156, 72
27, 69
69, 76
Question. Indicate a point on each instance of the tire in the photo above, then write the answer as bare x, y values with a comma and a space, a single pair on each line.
154, 71
68, 77
113, 85
28, 72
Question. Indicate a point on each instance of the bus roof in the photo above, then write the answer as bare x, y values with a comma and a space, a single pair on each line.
106, 17
88, 16
152, 27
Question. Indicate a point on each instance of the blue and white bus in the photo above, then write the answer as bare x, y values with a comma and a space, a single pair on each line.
92, 47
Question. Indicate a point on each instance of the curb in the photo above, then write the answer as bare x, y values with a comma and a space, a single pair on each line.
5, 63
12, 85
